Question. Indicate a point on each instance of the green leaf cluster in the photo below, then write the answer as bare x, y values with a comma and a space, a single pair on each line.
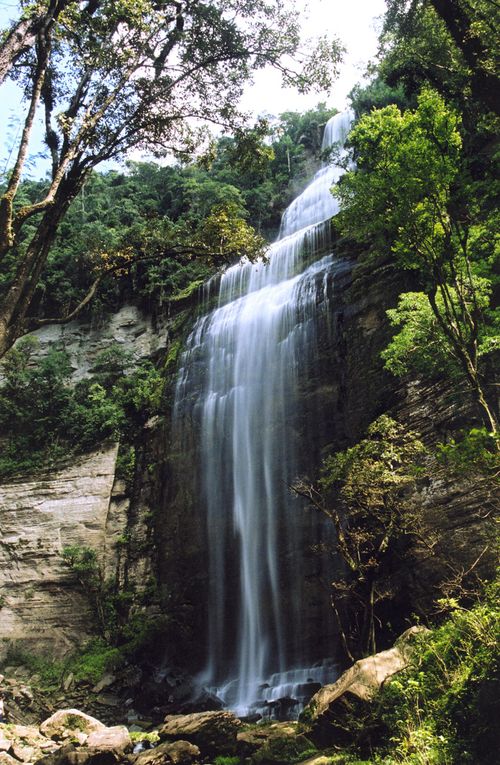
44, 419
413, 199
443, 708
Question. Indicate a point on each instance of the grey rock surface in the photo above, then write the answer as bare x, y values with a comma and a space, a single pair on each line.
39, 517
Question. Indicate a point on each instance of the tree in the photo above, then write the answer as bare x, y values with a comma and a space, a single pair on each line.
471, 40
363, 491
407, 196
112, 75
23, 35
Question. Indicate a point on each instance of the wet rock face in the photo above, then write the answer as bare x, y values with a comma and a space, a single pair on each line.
43, 609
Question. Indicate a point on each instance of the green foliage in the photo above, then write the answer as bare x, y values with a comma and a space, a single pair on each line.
406, 163
97, 658
121, 624
221, 760
473, 452
125, 463
452, 45
166, 229
364, 492
377, 95
33, 403
419, 345
49, 671
442, 710
383, 462
45, 419
411, 195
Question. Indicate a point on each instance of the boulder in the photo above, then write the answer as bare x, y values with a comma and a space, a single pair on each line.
175, 753
69, 723
117, 739
213, 732
254, 738
105, 681
23, 753
24, 742
69, 755
352, 693
275, 744
6, 759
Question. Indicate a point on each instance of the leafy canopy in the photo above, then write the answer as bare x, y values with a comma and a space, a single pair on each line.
108, 76
412, 196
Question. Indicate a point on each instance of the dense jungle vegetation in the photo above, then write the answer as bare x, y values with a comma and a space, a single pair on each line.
423, 197
140, 212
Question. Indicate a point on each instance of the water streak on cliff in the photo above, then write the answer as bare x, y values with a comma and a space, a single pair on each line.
238, 382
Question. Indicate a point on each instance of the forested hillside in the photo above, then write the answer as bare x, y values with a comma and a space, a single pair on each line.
164, 230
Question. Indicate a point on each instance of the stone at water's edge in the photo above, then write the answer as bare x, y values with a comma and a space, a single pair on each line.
67, 723
117, 738
213, 732
177, 753
275, 744
354, 690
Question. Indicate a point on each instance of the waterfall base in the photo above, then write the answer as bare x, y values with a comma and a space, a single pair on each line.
282, 696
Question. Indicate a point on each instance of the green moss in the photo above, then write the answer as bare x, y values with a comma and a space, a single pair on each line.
95, 660
285, 750
73, 722
187, 291
138, 735
172, 355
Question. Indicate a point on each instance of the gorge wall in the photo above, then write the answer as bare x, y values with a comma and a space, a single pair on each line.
83, 503
43, 611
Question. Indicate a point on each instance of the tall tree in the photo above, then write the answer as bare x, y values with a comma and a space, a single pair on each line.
111, 75
407, 196
473, 28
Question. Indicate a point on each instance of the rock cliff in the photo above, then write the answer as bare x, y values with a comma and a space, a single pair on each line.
43, 610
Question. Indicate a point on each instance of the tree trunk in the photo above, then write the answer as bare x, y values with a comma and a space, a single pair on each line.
23, 35
15, 305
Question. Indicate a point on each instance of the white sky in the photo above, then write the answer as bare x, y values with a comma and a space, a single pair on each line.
354, 22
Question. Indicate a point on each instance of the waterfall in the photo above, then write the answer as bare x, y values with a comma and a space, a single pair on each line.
239, 382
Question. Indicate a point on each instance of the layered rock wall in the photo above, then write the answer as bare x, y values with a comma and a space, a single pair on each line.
43, 609
129, 328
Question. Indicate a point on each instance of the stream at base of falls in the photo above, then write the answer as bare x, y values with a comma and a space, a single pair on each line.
242, 381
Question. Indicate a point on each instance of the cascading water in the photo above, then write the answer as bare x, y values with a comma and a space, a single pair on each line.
239, 382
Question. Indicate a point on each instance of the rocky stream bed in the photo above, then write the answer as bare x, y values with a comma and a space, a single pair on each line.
39, 733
